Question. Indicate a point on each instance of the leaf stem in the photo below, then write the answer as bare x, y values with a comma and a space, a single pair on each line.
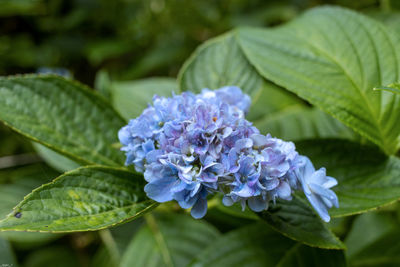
152, 223
110, 245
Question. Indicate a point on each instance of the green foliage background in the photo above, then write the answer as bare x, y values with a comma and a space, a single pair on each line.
115, 46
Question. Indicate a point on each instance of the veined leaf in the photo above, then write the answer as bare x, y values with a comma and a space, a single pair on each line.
258, 245
299, 123
367, 178
298, 221
130, 98
85, 199
219, 62
333, 57
168, 241
62, 115
271, 99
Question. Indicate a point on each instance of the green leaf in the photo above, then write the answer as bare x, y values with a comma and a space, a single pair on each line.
393, 88
227, 221
301, 255
219, 62
271, 99
130, 98
102, 83
168, 241
109, 254
367, 178
61, 256
373, 223
333, 57
258, 245
390, 18
54, 159
384, 252
62, 115
85, 199
236, 210
7, 257
298, 221
299, 123
18, 183
28, 240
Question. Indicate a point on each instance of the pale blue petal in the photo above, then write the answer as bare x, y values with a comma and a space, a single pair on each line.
257, 204
199, 209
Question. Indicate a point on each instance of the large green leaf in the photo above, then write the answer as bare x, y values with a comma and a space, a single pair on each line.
130, 98
258, 245
63, 115
88, 198
333, 57
168, 241
390, 18
272, 99
299, 123
367, 178
384, 252
297, 220
308, 256
216, 63
375, 224
221, 62
236, 210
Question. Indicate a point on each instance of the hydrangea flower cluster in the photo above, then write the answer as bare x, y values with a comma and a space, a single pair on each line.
190, 146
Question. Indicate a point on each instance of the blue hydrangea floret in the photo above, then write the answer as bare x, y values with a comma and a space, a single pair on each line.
190, 146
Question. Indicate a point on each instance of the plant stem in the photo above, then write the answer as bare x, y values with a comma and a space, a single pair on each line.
111, 246
152, 223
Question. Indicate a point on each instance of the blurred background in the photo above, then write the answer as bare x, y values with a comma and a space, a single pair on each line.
103, 41
133, 39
